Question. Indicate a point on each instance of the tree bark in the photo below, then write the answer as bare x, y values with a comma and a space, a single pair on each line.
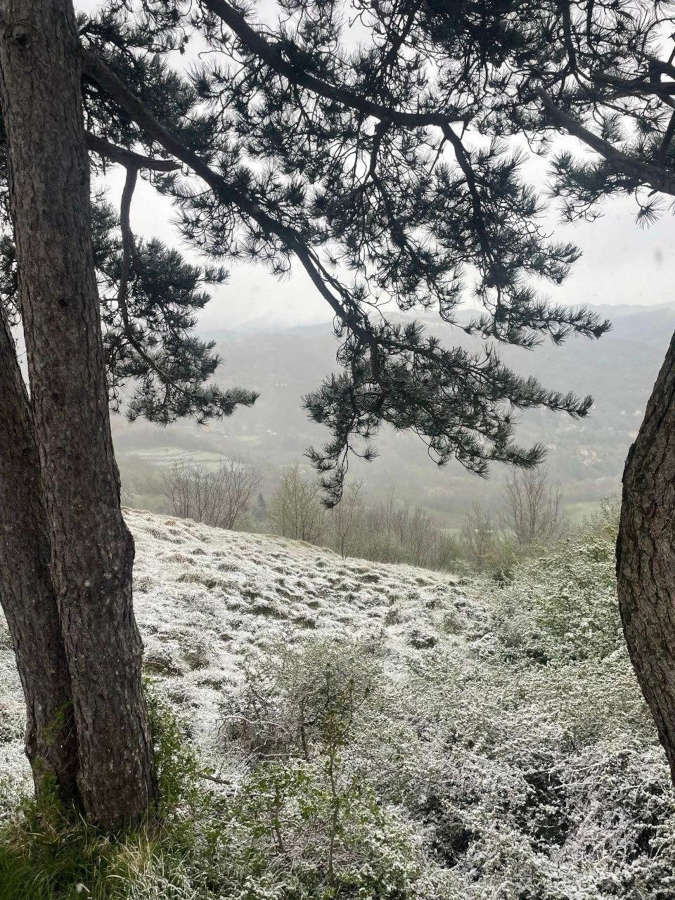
645, 555
26, 590
91, 548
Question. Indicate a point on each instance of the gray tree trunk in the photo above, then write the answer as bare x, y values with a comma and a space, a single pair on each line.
26, 590
91, 548
645, 555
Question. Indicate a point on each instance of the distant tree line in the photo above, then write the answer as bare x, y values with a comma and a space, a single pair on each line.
527, 519
385, 530
220, 498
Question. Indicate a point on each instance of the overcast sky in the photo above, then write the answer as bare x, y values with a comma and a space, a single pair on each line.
621, 263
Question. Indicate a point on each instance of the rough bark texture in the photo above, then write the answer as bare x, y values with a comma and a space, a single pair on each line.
26, 590
91, 548
645, 555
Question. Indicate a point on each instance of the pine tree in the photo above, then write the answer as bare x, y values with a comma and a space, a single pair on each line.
65, 553
292, 150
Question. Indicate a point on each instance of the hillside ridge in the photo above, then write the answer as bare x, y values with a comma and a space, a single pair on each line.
206, 598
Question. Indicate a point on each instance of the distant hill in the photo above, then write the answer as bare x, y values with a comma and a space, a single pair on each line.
585, 457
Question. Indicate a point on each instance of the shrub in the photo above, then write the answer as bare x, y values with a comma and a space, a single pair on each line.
517, 760
289, 830
296, 508
221, 497
563, 606
306, 816
308, 698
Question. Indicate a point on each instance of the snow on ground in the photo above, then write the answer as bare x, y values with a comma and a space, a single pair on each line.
510, 738
207, 599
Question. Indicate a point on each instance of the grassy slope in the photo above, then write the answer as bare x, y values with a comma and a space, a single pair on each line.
205, 598
505, 738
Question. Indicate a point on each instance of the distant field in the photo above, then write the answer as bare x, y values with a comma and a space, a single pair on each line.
585, 457
167, 456
580, 511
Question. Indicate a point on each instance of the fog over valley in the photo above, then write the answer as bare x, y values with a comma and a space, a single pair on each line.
585, 456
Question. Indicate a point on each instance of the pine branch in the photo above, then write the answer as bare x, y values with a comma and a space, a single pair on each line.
128, 157
128, 253
465, 165
667, 138
105, 78
342, 304
224, 402
270, 54
658, 178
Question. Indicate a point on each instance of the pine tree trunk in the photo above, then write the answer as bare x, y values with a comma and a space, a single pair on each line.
645, 555
91, 548
26, 590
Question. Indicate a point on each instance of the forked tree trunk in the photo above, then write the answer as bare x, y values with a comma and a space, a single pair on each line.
91, 549
645, 555
26, 590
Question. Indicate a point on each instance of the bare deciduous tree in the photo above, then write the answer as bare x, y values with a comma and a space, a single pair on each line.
421, 534
296, 508
479, 536
393, 532
217, 498
345, 518
531, 509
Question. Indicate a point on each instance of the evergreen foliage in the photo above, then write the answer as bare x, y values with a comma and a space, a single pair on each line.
378, 145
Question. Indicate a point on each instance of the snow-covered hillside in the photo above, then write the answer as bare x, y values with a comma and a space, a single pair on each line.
496, 744
206, 598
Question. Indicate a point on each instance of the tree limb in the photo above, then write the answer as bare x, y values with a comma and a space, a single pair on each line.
659, 67
128, 157
567, 33
128, 247
667, 138
344, 307
660, 179
270, 54
99, 72
128, 254
465, 165
627, 87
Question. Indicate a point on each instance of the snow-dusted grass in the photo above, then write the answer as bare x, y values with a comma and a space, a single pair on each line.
501, 750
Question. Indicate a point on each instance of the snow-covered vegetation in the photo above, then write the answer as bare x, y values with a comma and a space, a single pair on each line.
354, 729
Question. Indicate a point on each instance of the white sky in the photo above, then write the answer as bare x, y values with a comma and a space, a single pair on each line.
621, 263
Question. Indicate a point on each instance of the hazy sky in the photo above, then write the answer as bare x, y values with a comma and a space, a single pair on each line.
621, 263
